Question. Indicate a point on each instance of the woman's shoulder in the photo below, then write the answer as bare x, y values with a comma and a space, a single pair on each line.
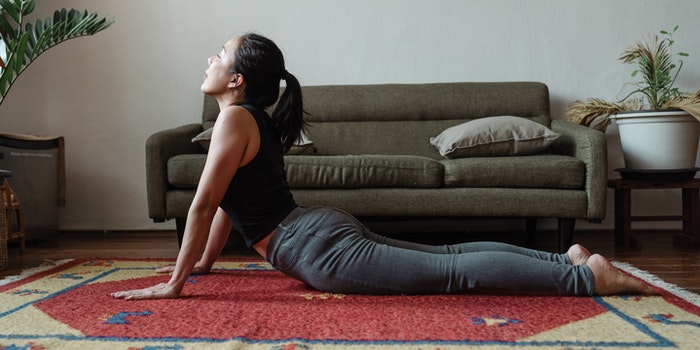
235, 112
244, 110
235, 117
234, 109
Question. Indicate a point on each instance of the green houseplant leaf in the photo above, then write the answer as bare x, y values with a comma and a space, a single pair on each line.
24, 43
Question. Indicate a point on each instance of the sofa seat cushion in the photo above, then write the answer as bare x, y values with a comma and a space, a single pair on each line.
388, 171
536, 171
363, 171
185, 170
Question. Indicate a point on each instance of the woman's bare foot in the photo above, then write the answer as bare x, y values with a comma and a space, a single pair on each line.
578, 254
609, 280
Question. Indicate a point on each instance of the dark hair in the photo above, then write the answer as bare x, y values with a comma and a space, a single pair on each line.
261, 62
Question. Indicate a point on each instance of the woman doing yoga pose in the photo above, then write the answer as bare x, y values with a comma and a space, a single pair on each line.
244, 186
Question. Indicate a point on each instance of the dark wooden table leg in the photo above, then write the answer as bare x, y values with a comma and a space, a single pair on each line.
691, 220
622, 213
623, 219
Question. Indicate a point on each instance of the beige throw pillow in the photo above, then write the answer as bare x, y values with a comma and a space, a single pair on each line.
204, 138
494, 136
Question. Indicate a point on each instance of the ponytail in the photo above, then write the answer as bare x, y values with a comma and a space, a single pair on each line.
262, 64
288, 116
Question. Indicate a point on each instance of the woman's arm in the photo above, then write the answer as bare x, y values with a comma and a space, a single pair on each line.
218, 236
235, 142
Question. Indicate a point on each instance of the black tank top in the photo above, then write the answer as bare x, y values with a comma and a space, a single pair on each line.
258, 197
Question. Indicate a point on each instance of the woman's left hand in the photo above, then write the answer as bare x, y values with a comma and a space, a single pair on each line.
159, 291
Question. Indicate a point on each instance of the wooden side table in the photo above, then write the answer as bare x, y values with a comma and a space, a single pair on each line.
623, 210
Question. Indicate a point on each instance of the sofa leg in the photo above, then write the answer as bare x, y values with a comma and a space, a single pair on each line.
530, 230
566, 233
180, 227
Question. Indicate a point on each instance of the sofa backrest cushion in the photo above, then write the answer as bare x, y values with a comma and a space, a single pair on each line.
437, 101
401, 118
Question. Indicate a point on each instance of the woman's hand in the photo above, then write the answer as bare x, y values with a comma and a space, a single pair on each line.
159, 291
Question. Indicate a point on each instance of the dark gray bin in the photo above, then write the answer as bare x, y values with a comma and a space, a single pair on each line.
38, 179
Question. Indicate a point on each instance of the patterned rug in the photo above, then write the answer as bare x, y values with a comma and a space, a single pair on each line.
246, 305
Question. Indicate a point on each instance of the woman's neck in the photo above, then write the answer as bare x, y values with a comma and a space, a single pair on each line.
229, 100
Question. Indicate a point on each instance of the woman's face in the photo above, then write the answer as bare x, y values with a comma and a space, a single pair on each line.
217, 77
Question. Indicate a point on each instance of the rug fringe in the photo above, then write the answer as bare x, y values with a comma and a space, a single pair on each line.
658, 282
46, 265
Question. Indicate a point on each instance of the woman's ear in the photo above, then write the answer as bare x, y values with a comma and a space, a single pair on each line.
237, 80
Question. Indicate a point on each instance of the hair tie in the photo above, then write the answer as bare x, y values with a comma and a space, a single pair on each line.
285, 74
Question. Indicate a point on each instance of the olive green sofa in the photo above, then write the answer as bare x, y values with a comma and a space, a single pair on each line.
372, 156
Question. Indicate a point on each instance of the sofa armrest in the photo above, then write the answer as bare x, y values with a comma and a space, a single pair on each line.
160, 147
590, 147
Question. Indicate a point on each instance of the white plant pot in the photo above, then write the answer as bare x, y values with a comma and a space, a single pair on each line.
658, 140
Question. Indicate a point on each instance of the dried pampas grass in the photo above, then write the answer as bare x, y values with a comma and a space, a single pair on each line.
595, 113
690, 104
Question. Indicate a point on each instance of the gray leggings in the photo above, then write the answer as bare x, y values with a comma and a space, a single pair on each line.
331, 251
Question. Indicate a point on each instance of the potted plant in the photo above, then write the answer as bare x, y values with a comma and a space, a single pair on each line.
659, 125
23, 43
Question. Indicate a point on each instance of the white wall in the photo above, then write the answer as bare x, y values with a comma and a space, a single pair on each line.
106, 94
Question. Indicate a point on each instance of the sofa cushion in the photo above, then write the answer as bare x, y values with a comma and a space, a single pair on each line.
203, 138
494, 136
363, 171
536, 171
184, 170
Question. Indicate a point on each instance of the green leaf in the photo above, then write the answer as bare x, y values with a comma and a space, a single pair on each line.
32, 39
11, 9
21, 48
7, 29
28, 8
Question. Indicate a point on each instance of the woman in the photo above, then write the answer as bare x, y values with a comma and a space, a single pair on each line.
244, 185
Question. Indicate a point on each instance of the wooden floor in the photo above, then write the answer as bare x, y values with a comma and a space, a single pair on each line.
657, 255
